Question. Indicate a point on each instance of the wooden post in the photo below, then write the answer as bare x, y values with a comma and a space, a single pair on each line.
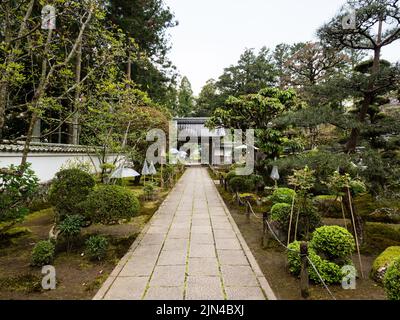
356, 223
304, 279
290, 220
247, 210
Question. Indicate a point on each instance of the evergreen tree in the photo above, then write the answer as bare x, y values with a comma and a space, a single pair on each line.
377, 25
208, 100
185, 106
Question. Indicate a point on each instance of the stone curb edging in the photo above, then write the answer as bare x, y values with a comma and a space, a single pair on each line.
121, 264
252, 261
250, 257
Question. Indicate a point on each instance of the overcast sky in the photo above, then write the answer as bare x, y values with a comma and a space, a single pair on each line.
212, 34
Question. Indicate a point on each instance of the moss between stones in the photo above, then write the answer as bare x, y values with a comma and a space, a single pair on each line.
384, 260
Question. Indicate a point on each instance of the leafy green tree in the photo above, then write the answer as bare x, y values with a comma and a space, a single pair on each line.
252, 73
48, 76
257, 111
15, 19
312, 63
377, 26
185, 99
281, 55
15, 192
57, 66
208, 100
119, 118
146, 23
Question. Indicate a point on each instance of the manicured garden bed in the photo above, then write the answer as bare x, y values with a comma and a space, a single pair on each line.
78, 275
273, 262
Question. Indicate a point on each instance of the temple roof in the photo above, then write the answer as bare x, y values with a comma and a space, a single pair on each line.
195, 127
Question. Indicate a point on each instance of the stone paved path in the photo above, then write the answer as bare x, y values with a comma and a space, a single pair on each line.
191, 249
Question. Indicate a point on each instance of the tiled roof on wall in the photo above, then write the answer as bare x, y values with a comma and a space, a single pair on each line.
39, 147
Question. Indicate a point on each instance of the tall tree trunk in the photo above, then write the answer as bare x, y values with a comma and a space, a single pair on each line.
35, 100
37, 131
355, 132
74, 130
44, 82
5, 78
3, 104
129, 68
368, 96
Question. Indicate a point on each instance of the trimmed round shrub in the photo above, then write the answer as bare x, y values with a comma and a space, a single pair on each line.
283, 195
305, 214
329, 271
230, 175
383, 261
333, 241
391, 281
69, 189
43, 253
293, 258
241, 184
281, 212
258, 181
107, 204
96, 247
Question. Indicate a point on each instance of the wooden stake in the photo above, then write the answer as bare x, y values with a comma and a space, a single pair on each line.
344, 214
291, 220
297, 223
355, 231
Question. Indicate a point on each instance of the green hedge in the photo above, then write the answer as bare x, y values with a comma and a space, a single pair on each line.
230, 175
69, 189
283, 195
333, 241
330, 272
389, 231
391, 281
380, 236
241, 184
107, 204
280, 212
43, 253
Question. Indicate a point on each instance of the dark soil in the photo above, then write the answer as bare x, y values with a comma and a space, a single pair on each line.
272, 261
77, 276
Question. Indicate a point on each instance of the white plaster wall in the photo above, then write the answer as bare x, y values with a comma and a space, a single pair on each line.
46, 165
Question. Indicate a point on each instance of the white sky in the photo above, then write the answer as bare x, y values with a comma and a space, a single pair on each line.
212, 34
